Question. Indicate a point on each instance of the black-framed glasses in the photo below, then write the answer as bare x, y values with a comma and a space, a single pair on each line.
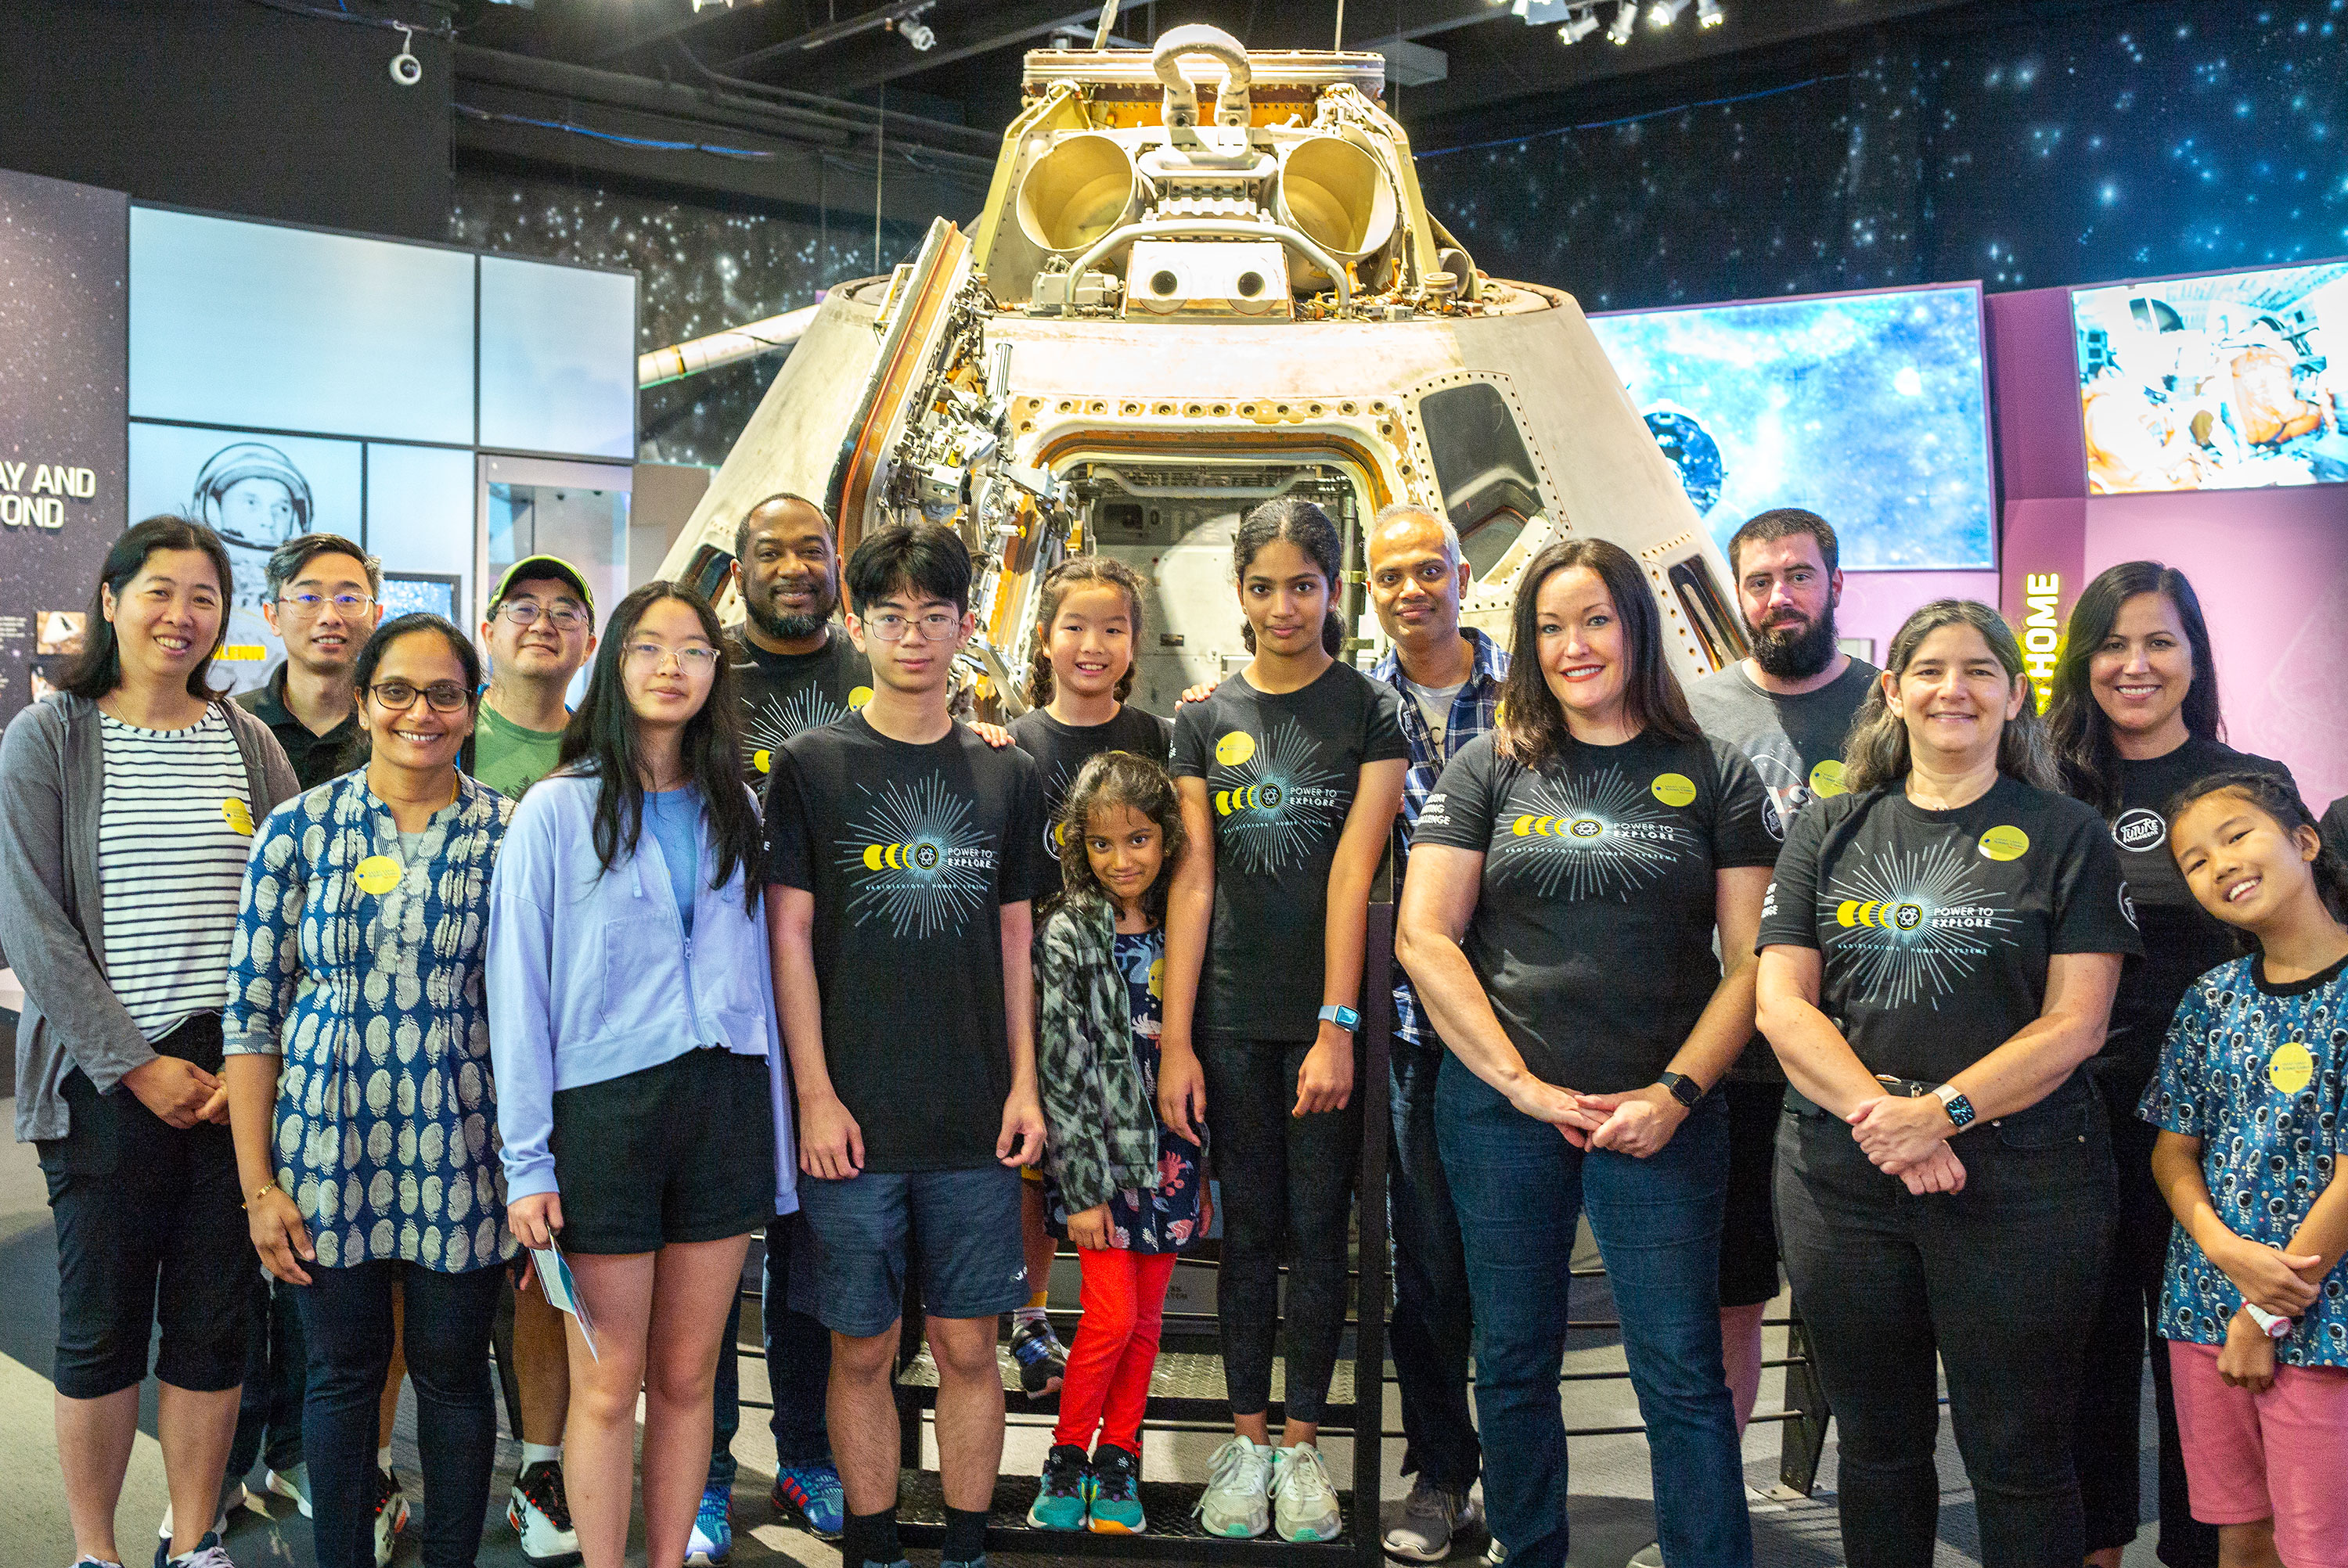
311, 603
565, 615
444, 696
937, 626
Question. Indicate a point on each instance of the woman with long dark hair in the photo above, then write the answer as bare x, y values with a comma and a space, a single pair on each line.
361, 1095
633, 1025
2135, 719
1567, 879
127, 805
1290, 777
1937, 961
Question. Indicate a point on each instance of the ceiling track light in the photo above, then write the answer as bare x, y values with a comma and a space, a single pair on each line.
1577, 27
1664, 13
1626, 17
1708, 14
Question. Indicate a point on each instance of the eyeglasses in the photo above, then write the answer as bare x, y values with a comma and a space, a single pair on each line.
445, 696
311, 603
936, 627
694, 659
566, 616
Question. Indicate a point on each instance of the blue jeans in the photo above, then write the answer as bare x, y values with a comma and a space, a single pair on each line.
799, 1360
347, 1324
1432, 1330
1519, 1188
269, 1410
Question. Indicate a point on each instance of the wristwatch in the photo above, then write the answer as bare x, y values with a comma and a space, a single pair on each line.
1344, 1018
2273, 1325
1952, 1100
1683, 1088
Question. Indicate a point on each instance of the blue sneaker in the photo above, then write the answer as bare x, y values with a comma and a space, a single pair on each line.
1115, 1491
812, 1492
713, 1529
1060, 1500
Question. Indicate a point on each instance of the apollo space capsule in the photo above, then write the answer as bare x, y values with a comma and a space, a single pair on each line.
1202, 279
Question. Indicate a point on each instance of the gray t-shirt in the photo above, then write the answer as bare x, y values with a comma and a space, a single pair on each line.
1435, 707
1795, 744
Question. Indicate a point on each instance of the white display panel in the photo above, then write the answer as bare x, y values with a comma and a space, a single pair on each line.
254, 326
558, 359
420, 515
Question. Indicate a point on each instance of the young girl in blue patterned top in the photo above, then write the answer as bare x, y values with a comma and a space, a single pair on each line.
1129, 1189
360, 1094
2250, 1098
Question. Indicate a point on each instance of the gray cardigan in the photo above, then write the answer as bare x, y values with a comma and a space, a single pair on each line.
52, 921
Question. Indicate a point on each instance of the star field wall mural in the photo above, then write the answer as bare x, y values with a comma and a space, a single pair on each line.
2126, 141
702, 269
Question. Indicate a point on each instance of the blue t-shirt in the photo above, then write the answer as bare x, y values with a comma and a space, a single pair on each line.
673, 818
2258, 1074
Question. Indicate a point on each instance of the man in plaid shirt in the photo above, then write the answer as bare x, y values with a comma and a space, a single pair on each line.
1449, 681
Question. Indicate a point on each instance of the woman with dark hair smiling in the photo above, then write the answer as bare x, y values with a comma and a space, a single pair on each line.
1566, 880
1937, 960
127, 805
358, 1056
632, 1026
2135, 719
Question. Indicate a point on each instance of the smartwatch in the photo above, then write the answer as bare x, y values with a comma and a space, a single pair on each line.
1344, 1018
1952, 1100
1683, 1088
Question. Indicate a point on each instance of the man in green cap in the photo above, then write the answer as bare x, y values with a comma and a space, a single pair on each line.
541, 628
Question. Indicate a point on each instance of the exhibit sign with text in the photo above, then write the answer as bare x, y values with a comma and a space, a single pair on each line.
63, 324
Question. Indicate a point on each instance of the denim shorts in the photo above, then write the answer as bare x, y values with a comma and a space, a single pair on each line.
959, 1229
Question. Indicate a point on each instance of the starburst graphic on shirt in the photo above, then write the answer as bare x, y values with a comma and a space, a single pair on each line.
916, 859
1273, 806
771, 723
1599, 836
1913, 924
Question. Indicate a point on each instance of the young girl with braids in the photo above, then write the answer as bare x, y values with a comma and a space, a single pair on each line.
1085, 632
1129, 1189
2252, 1100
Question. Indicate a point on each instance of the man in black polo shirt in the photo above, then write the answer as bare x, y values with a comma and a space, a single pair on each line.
320, 596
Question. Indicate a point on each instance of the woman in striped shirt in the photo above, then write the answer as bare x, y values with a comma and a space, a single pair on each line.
127, 805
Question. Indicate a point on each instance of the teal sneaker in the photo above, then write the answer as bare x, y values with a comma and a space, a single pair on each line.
1115, 1491
712, 1531
813, 1492
1060, 1500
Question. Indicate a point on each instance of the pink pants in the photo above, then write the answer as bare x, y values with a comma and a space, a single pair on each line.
1107, 1385
2282, 1453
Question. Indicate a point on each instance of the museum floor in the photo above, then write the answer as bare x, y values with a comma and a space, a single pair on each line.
1612, 1510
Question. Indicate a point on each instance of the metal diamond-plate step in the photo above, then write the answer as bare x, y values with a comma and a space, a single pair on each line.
1173, 1531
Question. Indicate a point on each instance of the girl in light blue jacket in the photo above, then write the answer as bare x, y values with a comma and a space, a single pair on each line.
640, 1087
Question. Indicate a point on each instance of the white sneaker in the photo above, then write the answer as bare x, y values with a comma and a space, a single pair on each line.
1432, 1518
1303, 1500
231, 1498
390, 1516
294, 1483
1237, 1501
1494, 1554
539, 1512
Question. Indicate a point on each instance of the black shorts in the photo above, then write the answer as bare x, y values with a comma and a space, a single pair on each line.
680, 1152
150, 1226
1748, 1222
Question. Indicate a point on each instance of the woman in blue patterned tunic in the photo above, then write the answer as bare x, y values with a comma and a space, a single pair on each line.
359, 1087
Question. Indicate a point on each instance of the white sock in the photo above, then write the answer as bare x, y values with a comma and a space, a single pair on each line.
1029, 1315
531, 1454
383, 1457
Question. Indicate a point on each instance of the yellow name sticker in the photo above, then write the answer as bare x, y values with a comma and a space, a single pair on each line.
1673, 789
1235, 748
2005, 844
858, 697
238, 815
1825, 779
2290, 1068
377, 873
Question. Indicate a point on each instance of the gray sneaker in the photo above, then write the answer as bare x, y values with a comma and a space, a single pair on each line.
1431, 1516
1649, 1556
1237, 1501
1304, 1498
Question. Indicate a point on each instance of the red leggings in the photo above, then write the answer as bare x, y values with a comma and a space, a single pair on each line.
1107, 1384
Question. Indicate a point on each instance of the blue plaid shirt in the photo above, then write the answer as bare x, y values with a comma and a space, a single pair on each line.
1472, 711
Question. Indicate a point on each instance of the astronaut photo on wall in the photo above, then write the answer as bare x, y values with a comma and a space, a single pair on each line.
256, 498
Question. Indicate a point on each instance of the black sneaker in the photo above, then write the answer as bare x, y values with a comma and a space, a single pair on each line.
540, 1512
1043, 1363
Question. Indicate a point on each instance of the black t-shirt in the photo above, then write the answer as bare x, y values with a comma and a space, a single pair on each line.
779, 694
1593, 925
2182, 941
1937, 926
1280, 773
1062, 750
910, 852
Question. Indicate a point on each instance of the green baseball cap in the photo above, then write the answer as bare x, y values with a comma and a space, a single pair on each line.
530, 567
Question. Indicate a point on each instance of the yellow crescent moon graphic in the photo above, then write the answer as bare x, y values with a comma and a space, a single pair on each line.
873, 852
1222, 803
1522, 827
763, 761
1847, 912
1545, 826
1869, 913
895, 857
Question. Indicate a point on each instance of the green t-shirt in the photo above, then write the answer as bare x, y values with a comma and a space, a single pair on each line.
509, 758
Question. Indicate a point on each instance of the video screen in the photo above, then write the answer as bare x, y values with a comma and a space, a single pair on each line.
412, 593
1867, 409
2224, 382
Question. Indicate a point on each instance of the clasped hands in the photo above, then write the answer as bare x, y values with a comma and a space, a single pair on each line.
1909, 1138
1637, 1122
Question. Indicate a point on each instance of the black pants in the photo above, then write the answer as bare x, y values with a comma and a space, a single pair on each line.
1433, 1326
1287, 1183
269, 1410
2110, 1481
346, 1322
1998, 1279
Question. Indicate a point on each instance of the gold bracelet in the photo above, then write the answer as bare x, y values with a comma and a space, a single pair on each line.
254, 1196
